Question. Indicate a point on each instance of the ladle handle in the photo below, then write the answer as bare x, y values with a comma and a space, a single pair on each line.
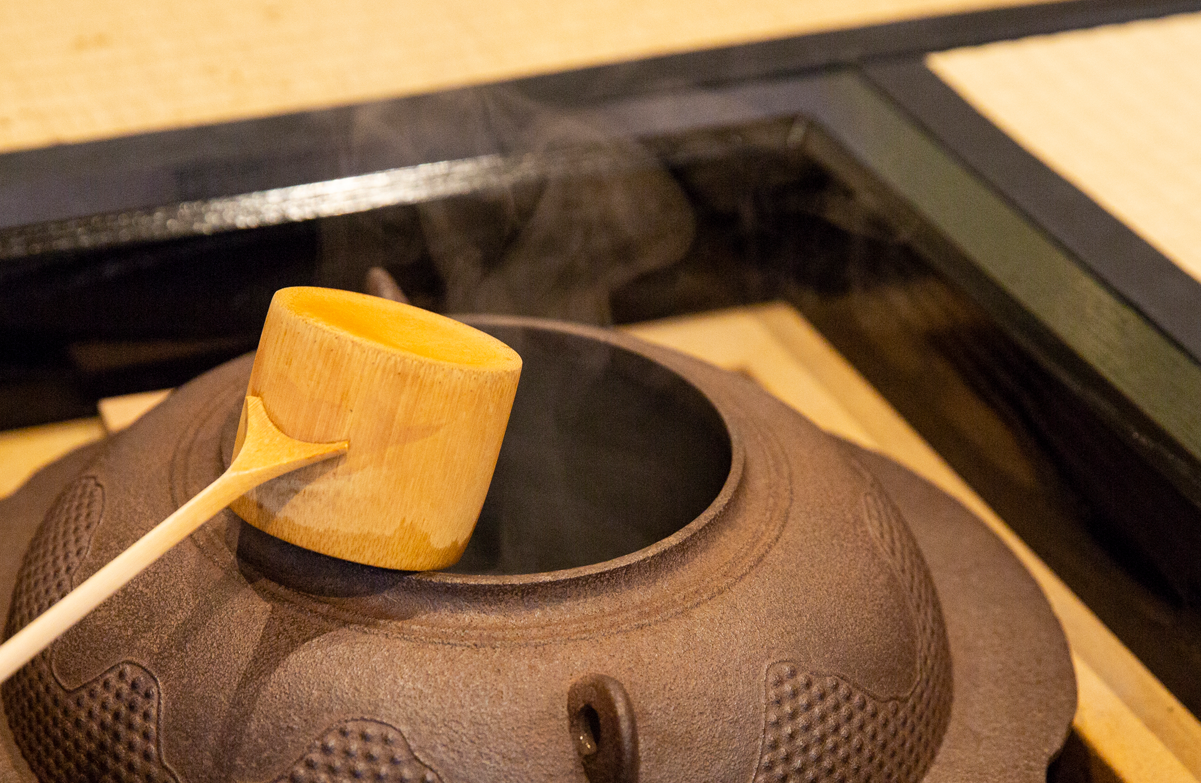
266, 454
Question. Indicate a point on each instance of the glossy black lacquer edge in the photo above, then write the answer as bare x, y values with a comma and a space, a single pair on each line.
956, 215
205, 162
1145, 278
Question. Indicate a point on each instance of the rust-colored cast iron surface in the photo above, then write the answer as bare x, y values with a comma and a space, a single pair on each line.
674, 578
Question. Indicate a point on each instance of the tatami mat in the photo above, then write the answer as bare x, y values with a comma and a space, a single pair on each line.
1115, 110
76, 70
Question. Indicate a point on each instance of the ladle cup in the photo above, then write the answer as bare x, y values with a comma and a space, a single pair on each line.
404, 409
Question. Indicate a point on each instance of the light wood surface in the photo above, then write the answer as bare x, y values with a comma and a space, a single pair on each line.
424, 401
23, 451
117, 413
266, 453
78, 70
1133, 726
1114, 110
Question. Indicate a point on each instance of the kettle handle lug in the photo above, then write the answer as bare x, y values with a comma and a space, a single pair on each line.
600, 718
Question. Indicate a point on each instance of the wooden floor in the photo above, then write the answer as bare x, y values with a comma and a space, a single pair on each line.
77, 70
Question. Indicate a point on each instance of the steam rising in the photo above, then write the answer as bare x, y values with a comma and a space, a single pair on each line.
590, 211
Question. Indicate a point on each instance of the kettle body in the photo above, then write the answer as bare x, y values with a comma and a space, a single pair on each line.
674, 578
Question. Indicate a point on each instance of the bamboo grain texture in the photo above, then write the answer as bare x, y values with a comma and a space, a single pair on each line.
423, 401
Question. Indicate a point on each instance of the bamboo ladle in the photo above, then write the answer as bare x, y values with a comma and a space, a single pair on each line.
380, 424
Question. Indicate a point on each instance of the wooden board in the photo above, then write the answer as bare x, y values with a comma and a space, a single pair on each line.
75, 70
23, 451
117, 413
1114, 110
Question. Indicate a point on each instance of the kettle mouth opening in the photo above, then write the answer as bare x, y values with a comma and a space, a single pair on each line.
608, 453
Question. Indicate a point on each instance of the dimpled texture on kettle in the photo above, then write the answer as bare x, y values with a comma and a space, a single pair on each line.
822, 727
57, 549
360, 750
104, 729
